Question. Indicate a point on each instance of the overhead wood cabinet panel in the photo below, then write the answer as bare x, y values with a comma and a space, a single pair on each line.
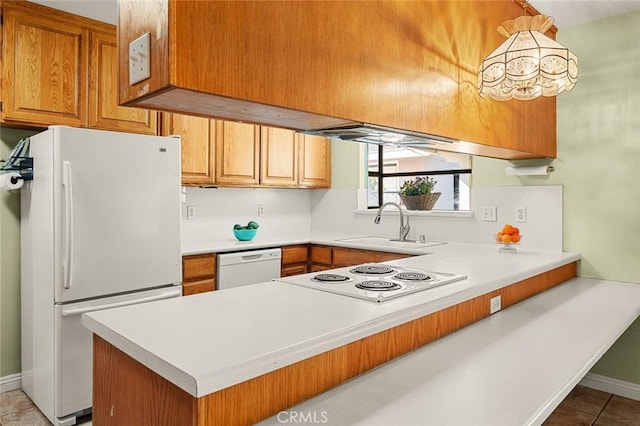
104, 111
303, 65
198, 136
237, 154
44, 69
279, 160
315, 161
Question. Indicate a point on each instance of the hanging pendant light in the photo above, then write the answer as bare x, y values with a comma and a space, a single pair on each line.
528, 64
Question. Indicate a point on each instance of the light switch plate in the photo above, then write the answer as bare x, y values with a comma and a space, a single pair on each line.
489, 213
191, 212
139, 59
521, 214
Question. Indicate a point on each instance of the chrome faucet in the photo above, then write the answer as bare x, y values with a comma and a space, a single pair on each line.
404, 229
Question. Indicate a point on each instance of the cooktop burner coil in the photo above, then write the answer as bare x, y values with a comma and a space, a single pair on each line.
378, 285
331, 278
412, 276
373, 270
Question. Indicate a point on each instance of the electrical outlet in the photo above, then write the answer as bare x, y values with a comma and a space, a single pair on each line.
260, 210
191, 212
521, 214
139, 60
495, 304
489, 213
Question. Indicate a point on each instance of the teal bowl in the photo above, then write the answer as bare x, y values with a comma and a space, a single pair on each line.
245, 234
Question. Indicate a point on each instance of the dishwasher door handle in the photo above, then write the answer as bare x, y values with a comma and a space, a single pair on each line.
252, 257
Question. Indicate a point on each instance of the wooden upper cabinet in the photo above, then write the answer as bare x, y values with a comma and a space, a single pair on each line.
104, 111
237, 154
315, 161
61, 68
198, 146
279, 157
44, 69
416, 71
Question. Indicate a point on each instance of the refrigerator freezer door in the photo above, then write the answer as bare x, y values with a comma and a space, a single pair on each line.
117, 211
74, 347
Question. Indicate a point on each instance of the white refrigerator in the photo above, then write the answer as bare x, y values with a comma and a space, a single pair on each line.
100, 228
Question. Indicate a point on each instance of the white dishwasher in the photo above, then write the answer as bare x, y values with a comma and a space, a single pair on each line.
248, 267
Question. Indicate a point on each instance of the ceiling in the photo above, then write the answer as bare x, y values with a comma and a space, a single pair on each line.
566, 13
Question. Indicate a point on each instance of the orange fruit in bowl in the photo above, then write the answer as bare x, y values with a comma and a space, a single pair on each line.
507, 229
506, 238
499, 237
515, 238
515, 230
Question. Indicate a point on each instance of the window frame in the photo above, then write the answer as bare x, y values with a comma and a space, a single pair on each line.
380, 175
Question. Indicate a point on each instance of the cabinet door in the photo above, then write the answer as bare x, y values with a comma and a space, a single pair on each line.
198, 146
198, 273
237, 154
104, 111
315, 161
279, 162
44, 70
348, 257
321, 258
295, 260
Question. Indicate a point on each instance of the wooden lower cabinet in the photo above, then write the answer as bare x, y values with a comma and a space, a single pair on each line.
295, 260
198, 273
127, 392
328, 257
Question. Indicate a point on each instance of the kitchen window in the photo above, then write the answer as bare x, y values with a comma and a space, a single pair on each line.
390, 166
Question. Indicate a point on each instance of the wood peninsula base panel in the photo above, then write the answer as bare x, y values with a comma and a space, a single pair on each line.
126, 392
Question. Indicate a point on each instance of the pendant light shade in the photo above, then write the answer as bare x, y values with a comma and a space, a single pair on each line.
528, 64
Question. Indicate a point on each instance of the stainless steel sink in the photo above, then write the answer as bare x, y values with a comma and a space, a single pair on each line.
384, 241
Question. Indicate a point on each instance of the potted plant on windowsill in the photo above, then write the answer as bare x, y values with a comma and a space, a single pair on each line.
417, 193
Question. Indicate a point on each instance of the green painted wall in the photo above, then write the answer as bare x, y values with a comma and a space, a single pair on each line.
346, 164
10, 265
598, 162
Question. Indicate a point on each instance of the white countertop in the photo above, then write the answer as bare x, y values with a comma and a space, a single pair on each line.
207, 342
223, 245
512, 368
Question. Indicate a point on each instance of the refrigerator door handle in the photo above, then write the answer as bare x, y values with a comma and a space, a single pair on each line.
80, 311
67, 262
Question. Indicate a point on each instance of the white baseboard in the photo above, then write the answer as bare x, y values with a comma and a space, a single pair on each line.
614, 386
10, 382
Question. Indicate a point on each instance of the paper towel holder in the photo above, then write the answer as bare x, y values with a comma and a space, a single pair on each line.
24, 166
529, 171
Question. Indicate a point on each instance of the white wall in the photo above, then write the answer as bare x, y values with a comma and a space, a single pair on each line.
287, 212
333, 211
297, 212
100, 10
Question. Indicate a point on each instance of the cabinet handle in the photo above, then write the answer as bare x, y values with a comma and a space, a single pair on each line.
80, 311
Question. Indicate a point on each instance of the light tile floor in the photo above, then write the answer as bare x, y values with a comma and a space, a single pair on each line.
590, 407
16, 409
582, 407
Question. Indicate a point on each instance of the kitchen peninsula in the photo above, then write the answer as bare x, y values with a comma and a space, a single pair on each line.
244, 354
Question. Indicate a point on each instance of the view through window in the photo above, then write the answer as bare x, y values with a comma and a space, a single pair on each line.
390, 166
